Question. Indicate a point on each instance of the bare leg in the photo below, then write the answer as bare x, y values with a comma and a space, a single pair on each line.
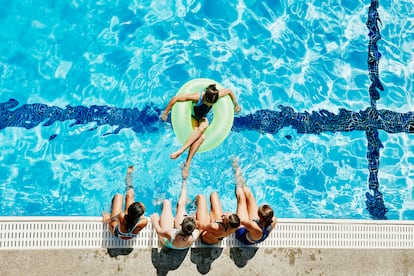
238, 174
202, 211
193, 137
129, 199
130, 195
167, 218
179, 216
242, 188
216, 210
251, 203
241, 211
198, 130
116, 210
128, 178
193, 149
241, 205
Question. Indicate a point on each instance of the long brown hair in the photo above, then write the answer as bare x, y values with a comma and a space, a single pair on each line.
135, 211
234, 221
212, 94
266, 214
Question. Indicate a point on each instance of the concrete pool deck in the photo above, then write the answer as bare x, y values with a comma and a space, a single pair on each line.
84, 246
209, 261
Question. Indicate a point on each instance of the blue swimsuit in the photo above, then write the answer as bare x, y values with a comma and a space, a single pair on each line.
125, 236
200, 109
169, 243
243, 235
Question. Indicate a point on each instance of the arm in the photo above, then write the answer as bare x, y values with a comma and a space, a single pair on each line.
180, 98
196, 234
206, 227
225, 92
252, 227
142, 223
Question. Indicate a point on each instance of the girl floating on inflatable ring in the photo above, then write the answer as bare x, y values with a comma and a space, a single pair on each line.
202, 104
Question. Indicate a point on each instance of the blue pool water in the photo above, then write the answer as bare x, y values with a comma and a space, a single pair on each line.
82, 84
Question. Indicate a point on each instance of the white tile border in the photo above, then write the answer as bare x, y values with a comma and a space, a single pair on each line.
90, 233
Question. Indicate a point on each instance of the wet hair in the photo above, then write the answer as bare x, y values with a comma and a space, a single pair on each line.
187, 226
212, 94
234, 221
265, 213
135, 210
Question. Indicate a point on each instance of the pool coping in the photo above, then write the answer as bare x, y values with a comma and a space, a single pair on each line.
90, 233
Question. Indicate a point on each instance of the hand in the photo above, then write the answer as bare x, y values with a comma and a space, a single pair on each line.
155, 218
235, 163
106, 217
237, 108
164, 116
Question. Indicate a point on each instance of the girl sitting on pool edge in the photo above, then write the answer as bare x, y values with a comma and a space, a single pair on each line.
202, 104
256, 221
177, 232
126, 225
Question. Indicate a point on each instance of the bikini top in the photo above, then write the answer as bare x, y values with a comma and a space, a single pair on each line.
169, 242
126, 235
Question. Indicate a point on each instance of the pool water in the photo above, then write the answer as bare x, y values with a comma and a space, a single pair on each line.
83, 83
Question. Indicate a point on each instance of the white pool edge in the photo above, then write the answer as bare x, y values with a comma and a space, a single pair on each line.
76, 232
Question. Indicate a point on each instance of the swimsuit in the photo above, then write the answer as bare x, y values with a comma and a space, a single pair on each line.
125, 236
218, 222
243, 235
169, 242
200, 109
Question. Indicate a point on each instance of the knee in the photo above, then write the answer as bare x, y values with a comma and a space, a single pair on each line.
240, 195
200, 140
166, 203
247, 192
203, 126
116, 198
130, 193
199, 198
213, 196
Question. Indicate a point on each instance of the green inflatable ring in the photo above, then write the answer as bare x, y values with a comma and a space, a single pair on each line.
219, 127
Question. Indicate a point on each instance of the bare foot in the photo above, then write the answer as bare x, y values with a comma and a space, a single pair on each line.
176, 154
106, 217
185, 171
130, 169
235, 163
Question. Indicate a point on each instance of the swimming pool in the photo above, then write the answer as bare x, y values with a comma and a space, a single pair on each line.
94, 76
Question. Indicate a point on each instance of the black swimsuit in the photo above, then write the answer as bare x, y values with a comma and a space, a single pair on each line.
200, 109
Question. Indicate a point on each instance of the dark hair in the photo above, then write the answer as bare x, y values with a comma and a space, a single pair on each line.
265, 213
212, 94
187, 226
135, 210
234, 221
